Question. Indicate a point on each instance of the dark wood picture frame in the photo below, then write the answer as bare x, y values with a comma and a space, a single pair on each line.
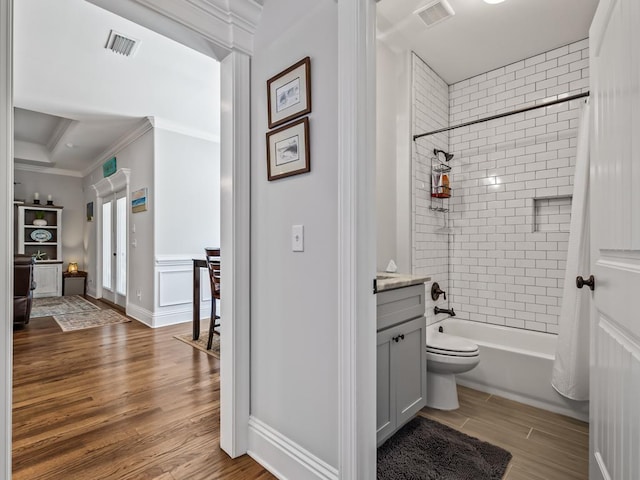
288, 150
289, 93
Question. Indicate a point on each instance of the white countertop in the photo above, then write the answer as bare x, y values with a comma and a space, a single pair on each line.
391, 281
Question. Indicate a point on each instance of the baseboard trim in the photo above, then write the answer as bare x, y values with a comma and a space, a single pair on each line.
171, 315
284, 458
141, 314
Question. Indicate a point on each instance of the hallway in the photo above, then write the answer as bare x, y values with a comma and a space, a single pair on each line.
117, 402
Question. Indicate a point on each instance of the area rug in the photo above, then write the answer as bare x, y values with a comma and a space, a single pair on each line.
201, 343
427, 450
49, 306
80, 321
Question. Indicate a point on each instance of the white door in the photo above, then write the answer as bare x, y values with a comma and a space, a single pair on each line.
615, 256
114, 249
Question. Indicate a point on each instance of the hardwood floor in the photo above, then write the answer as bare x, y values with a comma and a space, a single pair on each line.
117, 402
544, 445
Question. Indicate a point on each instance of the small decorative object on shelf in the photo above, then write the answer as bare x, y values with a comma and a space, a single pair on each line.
36, 198
49, 200
41, 235
39, 220
73, 267
40, 255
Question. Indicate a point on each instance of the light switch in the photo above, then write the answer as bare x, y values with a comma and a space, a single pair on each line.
297, 238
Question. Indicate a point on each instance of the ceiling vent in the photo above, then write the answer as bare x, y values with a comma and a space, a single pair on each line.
435, 12
121, 44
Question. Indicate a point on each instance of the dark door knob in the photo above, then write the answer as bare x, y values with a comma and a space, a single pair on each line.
589, 282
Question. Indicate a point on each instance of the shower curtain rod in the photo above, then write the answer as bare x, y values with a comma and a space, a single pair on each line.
506, 114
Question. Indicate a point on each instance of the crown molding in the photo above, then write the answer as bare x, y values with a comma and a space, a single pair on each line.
48, 170
164, 124
143, 127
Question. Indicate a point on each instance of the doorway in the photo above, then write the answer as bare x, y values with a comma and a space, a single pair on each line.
114, 249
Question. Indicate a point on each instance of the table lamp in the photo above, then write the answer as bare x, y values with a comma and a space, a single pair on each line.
73, 267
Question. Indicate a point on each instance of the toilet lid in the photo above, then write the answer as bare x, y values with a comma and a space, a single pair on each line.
449, 344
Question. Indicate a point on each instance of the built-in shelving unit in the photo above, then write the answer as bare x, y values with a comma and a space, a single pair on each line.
43, 242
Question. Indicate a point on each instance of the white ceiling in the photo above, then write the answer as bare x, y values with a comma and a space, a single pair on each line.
92, 97
481, 37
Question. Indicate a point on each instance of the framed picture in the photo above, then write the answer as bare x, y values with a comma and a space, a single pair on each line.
89, 211
288, 150
289, 93
139, 200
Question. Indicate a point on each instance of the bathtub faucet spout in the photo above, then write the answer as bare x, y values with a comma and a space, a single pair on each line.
438, 310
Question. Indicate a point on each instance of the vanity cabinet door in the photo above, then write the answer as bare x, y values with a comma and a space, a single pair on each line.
385, 388
401, 375
410, 367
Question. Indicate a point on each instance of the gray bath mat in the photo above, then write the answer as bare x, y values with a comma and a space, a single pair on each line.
427, 450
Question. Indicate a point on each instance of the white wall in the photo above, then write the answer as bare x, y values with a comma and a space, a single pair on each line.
508, 260
187, 193
186, 212
394, 200
388, 101
65, 191
294, 344
137, 156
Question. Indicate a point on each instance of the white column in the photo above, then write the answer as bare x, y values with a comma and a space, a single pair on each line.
235, 196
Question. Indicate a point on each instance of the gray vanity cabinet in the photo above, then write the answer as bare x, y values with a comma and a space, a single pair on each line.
401, 358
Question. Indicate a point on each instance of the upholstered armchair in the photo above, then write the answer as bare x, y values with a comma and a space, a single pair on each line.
23, 286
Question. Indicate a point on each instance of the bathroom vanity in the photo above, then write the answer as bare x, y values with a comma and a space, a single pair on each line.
401, 355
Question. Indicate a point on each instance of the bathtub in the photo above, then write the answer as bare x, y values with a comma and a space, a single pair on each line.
515, 364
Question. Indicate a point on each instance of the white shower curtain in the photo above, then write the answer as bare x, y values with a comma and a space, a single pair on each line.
571, 366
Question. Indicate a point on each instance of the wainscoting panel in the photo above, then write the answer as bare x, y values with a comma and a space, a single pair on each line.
174, 291
175, 287
616, 433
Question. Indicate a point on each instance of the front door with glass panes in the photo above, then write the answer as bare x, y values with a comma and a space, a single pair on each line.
114, 248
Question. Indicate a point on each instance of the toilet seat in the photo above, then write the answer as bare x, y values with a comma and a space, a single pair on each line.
449, 345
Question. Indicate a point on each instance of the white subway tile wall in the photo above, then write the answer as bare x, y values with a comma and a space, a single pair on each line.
430, 249
511, 180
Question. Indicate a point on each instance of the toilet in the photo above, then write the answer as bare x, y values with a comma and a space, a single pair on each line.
447, 355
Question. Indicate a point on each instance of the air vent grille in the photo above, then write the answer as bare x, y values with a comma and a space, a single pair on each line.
121, 44
435, 12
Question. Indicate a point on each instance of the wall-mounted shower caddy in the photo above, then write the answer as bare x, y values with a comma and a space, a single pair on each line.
440, 186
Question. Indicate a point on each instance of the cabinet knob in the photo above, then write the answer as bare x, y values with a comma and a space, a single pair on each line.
589, 282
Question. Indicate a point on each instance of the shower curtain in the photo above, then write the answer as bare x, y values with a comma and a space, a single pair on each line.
570, 375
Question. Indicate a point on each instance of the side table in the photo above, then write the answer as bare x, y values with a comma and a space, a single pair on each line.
78, 274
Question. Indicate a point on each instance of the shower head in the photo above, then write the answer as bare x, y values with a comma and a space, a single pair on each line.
447, 156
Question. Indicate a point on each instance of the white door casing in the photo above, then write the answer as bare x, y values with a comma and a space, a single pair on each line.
105, 190
356, 239
6, 231
615, 242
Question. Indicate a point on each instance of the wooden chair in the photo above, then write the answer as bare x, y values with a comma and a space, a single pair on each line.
212, 256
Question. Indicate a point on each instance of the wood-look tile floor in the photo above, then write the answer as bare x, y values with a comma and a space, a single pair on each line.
117, 402
544, 445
